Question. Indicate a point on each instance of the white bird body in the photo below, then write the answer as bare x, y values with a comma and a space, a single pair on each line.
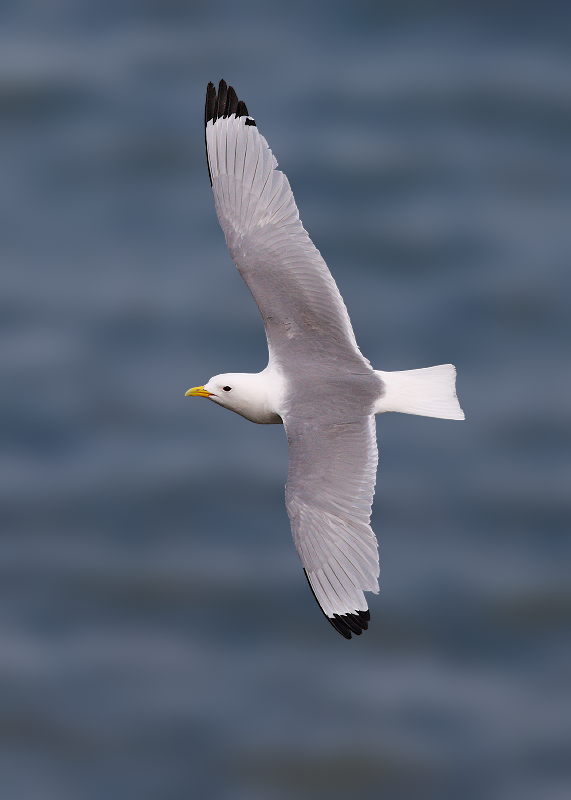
317, 382
261, 396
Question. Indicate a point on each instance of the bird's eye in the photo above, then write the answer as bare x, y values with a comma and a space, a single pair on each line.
227, 388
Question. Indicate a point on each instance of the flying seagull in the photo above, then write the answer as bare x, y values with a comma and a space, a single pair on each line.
317, 382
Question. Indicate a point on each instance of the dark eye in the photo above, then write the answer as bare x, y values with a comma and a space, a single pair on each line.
227, 388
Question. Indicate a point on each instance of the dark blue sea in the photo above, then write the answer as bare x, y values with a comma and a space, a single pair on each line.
157, 635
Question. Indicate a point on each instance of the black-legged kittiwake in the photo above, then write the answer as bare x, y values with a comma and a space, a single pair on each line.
317, 382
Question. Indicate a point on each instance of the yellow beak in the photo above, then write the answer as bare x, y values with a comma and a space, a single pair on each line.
198, 391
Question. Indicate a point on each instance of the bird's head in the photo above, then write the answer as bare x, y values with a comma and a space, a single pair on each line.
242, 392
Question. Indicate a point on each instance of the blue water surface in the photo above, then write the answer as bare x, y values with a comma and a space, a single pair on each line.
157, 636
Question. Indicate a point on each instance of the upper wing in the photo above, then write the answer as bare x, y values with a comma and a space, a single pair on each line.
330, 487
302, 309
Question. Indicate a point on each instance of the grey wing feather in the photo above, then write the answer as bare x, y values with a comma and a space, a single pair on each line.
302, 309
329, 493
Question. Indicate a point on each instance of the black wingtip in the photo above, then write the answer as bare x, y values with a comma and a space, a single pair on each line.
345, 624
231, 102
221, 105
224, 104
222, 95
210, 111
241, 110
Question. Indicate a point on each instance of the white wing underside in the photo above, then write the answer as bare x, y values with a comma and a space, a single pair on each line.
329, 494
300, 303
333, 454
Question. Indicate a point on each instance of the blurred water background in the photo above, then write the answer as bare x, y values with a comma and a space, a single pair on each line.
157, 636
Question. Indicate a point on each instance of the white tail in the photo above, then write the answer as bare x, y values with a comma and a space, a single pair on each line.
430, 392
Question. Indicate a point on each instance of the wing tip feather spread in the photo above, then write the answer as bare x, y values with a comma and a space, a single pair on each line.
345, 624
224, 103
220, 106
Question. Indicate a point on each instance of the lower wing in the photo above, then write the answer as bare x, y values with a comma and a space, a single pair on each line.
329, 493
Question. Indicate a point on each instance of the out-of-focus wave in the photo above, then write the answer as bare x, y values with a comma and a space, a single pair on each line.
156, 632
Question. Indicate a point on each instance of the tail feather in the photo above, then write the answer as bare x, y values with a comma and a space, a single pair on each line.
429, 392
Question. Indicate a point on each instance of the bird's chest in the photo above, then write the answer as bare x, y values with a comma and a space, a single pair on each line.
262, 416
